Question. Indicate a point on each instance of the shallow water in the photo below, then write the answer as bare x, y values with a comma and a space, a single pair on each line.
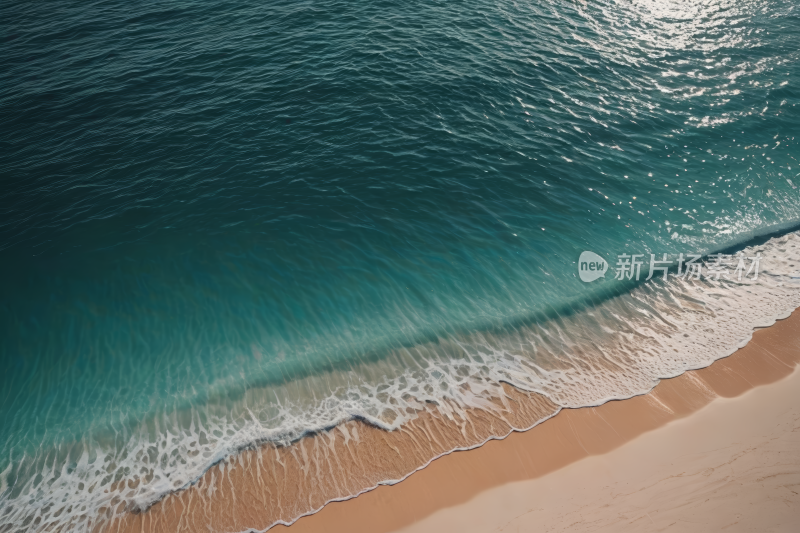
227, 223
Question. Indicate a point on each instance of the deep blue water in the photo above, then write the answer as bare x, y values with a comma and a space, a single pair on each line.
204, 199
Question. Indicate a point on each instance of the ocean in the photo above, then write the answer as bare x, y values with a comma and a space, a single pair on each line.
229, 224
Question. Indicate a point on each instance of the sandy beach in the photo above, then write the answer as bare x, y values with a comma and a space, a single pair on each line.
713, 449
732, 466
724, 434
381, 267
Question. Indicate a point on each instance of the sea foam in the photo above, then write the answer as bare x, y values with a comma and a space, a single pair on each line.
616, 349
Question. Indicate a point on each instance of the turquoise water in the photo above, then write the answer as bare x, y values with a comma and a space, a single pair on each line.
285, 205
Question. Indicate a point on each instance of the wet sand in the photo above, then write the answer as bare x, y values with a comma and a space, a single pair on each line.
471, 488
732, 466
459, 486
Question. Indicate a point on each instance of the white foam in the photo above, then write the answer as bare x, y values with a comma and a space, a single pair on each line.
615, 350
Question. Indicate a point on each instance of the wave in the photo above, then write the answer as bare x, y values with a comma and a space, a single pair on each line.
618, 348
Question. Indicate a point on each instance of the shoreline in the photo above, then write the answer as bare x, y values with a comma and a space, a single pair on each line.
732, 466
458, 486
232, 496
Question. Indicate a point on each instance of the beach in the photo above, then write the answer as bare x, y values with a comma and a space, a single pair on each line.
733, 466
726, 432
377, 266
714, 448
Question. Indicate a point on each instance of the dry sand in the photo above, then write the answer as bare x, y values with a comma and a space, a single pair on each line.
733, 466
502, 483
640, 464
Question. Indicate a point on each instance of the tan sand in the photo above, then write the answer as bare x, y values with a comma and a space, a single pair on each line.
258, 487
734, 463
733, 466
